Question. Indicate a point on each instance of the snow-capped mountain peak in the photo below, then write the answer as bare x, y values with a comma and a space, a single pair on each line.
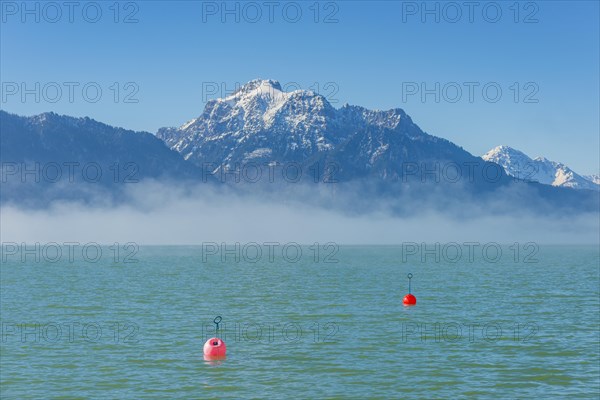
258, 105
260, 115
593, 178
507, 157
257, 87
539, 169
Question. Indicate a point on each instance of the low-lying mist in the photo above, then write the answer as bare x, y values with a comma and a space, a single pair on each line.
161, 213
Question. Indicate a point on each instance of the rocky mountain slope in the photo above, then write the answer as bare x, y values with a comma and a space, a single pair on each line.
539, 169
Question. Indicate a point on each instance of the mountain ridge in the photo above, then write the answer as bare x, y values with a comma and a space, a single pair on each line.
259, 122
538, 169
50, 156
371, 155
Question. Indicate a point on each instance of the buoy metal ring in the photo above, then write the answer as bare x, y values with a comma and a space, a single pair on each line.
217, 319
409, 275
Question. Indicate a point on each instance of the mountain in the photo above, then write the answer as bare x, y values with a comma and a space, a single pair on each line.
593, 178
51, 156
260, 123
377, 159
372, 156
539, 169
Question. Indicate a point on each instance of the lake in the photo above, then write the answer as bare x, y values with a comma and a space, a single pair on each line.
511, 321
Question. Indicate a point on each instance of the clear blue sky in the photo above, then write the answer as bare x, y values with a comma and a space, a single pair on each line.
373, 54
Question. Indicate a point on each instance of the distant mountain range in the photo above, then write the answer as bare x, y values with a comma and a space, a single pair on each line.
50, 156
50, 137
539, 169
260, 123
375, 155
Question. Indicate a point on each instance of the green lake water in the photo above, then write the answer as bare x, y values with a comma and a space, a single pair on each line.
329, 324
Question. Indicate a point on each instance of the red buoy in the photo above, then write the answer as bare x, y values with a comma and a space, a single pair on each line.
409, 299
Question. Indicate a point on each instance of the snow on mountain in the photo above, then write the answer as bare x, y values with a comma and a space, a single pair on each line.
539, 169
374, 155
262, 123
235, 125
593, 178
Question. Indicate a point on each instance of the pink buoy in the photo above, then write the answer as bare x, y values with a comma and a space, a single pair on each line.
215, 348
